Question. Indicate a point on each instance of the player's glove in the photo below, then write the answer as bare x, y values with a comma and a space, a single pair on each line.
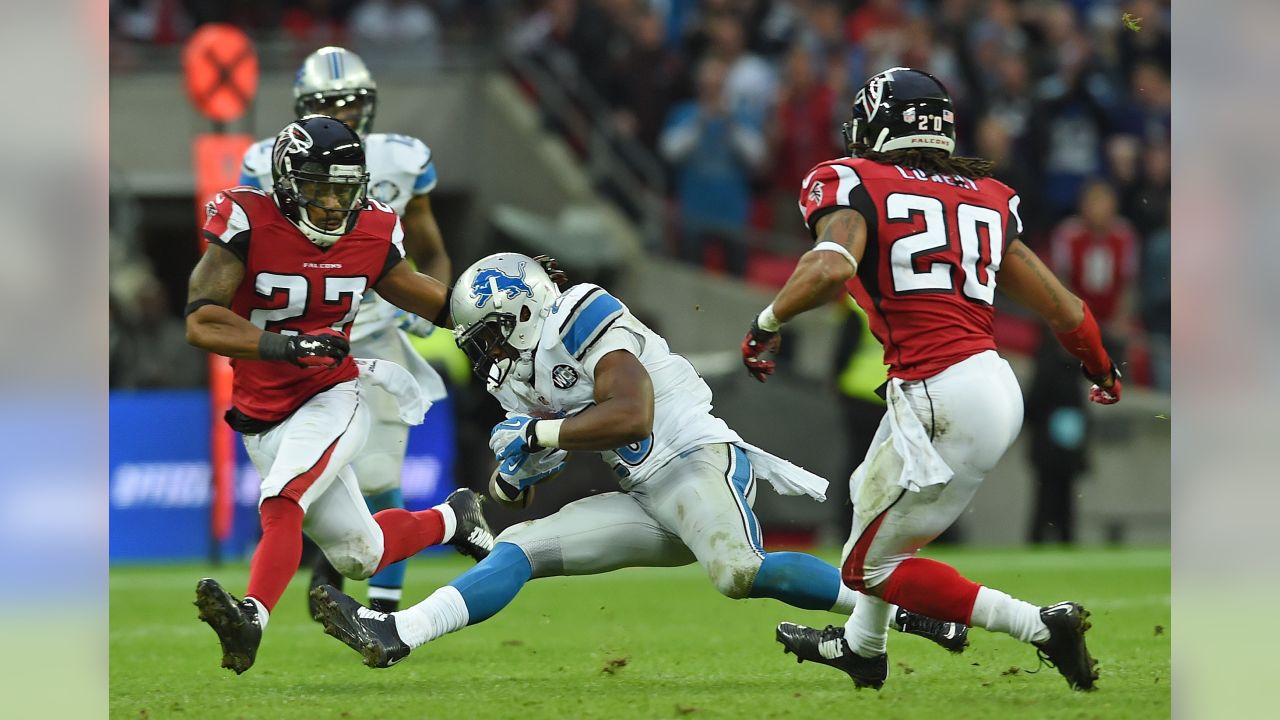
515, 488
324, 350
512, 441
549, 264
1104, 395
413, 324
756, 343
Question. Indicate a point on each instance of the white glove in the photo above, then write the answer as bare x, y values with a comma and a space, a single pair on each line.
412, 324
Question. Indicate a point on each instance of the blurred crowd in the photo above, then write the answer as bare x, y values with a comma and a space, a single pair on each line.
739, 98
307, 22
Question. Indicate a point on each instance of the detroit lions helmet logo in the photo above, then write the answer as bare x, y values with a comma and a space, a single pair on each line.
491, 281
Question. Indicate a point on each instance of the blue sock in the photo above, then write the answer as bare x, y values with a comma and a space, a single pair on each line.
494, 582
797, 579
390, 577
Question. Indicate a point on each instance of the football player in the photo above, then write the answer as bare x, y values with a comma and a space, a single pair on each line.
577, 372
919, 238
334, 81
277, 291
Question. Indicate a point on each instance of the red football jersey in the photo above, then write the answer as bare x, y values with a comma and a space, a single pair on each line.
927, 279
1099, 267
293, 286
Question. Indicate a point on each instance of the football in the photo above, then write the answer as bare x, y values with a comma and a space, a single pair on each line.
522, 500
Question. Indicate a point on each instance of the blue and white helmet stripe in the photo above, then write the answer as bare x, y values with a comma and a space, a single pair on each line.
332, 69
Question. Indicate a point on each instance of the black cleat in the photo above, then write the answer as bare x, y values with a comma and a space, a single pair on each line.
1065, 648
383, 605
951, 635
372, 634
322, 573
472, 536
235, 621
828, 646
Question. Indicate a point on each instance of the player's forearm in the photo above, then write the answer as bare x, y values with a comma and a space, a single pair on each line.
609, 425
817, 278
419, 294
219, 330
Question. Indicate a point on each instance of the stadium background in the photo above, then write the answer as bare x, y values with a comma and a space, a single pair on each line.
546, 121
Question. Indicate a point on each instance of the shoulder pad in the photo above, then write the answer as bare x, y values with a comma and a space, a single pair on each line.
582, 315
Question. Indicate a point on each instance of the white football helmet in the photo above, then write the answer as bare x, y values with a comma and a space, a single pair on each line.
498, 306
334, 81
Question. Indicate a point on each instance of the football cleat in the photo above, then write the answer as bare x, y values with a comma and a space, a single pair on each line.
235, 622
951, 635
384, 605
828, 646
472, 536
368, 632
322, 573
1065, 648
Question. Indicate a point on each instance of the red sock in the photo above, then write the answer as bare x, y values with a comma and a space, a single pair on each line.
279, 552
405, 533
931, 588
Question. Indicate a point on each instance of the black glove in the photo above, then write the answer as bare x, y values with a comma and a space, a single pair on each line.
319, 351
549, 264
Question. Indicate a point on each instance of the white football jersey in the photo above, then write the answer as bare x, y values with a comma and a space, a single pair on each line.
585, 324
400, 168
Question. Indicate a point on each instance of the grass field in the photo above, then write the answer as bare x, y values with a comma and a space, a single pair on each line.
641, 643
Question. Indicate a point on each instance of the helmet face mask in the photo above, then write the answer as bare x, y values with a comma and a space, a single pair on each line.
487, 345
320, 179
354, 108
901, 108
334, 81
499, 305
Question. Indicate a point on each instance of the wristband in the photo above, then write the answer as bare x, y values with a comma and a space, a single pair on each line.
442, 318
197, 304
273, 346
547, 433
767, 321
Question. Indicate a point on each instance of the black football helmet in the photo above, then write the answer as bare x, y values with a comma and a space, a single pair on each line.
901, 108
319, 177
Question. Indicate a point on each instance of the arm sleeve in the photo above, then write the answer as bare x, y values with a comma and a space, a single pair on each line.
227, 225
395, 253
830, 187
588, 320
1014, 229
618, 337
426, 180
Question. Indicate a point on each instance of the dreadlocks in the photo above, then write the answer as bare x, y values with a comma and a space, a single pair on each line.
929, 160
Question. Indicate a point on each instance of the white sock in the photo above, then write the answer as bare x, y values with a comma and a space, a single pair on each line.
263, 615
867, 630
443, 612
845, 601
385, 593
998, 612
450, 520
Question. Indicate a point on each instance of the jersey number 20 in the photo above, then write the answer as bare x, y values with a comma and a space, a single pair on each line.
979, 254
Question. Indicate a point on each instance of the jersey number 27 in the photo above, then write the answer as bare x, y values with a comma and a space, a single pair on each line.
296, 289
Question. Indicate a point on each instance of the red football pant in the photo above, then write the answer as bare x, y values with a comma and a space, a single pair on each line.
405, 533
279, 551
